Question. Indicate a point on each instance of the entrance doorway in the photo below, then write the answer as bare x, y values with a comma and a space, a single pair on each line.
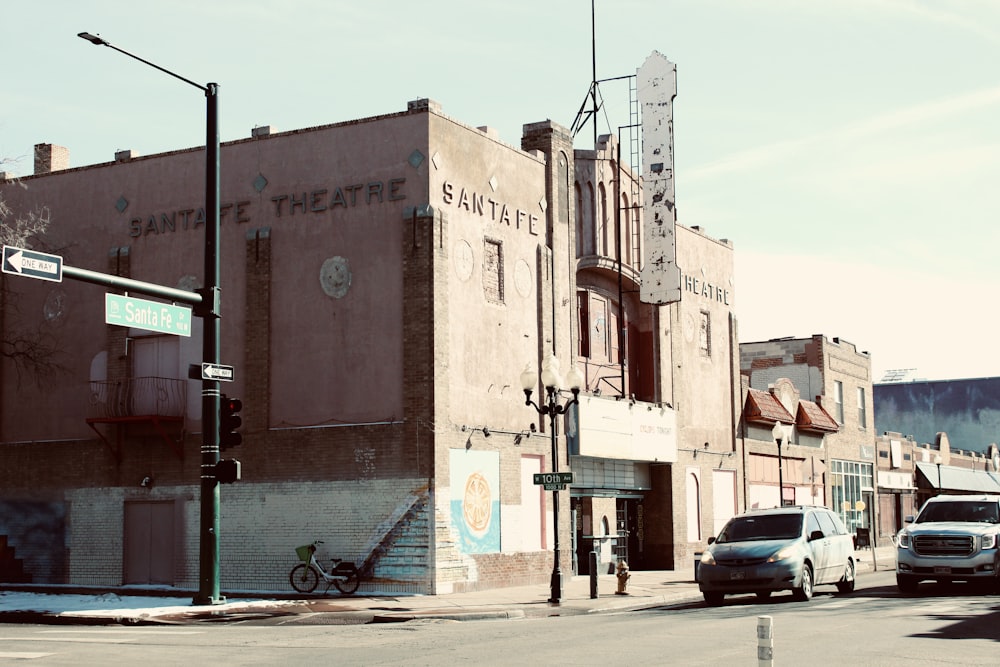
149, 543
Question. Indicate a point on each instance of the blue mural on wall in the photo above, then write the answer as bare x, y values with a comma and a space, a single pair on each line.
967, 410
36, 531
475, 500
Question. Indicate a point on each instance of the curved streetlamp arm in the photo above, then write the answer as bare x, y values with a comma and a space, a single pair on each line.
100, 41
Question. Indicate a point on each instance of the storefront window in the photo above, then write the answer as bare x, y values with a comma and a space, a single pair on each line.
851, 487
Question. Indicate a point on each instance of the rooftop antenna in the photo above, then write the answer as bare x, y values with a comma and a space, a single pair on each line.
583, 116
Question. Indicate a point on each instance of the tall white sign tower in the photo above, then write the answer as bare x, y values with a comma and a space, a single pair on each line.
657, 88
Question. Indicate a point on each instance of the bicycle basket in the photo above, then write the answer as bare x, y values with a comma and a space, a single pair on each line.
304, 552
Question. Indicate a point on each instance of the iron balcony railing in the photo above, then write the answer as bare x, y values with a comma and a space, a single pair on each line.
138, 397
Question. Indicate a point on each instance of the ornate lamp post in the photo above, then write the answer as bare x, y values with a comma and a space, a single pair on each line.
552, 381
779, 434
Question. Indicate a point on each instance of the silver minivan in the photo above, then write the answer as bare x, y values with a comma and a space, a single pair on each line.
784, 548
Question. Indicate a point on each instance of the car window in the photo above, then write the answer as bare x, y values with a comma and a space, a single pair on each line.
764, 527
812, 525
827, 523
976, 511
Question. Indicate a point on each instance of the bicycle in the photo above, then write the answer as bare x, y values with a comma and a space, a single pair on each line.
305, 576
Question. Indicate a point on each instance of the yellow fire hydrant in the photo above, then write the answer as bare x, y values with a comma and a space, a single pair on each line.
623, 577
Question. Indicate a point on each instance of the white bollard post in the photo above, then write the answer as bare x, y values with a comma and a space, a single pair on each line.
765, 642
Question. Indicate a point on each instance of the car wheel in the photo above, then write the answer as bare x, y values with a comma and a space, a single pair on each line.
906, 583
846, 585
763, 595
805, 590
714, 599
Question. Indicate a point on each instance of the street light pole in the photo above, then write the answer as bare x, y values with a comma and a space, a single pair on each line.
208, 591
937, 460
552, 382
778, 433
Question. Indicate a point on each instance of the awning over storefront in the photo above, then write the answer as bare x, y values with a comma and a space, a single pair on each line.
957, 479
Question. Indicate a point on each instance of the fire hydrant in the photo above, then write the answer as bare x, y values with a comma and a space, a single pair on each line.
623, 577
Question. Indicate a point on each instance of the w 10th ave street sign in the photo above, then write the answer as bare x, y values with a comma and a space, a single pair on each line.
128, 311
31, 264
553, 481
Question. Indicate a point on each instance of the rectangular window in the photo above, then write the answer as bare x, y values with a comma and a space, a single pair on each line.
493, 271
583, 310
705, 334
862, 409
838, 401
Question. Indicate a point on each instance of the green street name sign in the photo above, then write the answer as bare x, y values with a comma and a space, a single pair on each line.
128, 311
547, 478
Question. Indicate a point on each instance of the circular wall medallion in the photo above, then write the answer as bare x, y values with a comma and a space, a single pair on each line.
522, 278
464, 260
189, 283
55, 305
335, 277
689, 327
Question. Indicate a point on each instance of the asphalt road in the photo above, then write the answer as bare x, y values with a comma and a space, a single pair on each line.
873, 626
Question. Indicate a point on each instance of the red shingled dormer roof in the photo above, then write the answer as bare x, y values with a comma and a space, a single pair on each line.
812, 417
764, 407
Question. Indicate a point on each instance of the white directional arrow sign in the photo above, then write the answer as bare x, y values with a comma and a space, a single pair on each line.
32, 264
217, 372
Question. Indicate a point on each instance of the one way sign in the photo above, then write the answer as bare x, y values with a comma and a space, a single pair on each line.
217, 372
32, 264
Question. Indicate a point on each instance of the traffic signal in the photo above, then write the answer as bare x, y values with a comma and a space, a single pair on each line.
228, 471
229, 421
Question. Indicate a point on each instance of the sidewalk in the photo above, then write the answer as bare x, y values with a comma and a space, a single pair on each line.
74, 605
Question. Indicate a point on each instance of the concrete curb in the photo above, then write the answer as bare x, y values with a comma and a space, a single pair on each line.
470, 615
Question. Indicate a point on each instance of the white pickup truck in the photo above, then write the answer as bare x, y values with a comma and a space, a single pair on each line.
953, 538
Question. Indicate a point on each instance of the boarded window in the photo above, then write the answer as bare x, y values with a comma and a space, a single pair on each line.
705, 334
493, 271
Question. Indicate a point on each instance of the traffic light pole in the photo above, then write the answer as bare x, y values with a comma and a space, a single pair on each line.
208, 591
208, 310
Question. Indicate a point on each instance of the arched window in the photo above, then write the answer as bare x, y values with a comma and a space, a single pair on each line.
626, 215
602, 232
589, 221
563, 190
581, 234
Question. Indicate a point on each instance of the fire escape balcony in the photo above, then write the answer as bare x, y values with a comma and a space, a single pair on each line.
155, 401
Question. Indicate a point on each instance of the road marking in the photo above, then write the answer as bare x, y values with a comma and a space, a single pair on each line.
120, 631
76, 640
11, 655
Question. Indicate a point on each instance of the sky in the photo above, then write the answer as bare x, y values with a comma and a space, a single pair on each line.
849, 149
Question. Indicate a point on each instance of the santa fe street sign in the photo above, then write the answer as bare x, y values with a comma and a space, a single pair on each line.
128, 311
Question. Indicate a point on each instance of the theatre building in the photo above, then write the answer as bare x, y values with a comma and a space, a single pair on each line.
384, 283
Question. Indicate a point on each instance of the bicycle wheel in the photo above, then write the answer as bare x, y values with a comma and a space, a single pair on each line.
351, 583
303, 578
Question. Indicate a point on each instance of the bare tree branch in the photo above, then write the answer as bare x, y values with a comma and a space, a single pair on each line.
30, 345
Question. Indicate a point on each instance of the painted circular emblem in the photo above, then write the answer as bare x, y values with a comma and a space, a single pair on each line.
522, 278
464, 260
476, 505
335, 277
